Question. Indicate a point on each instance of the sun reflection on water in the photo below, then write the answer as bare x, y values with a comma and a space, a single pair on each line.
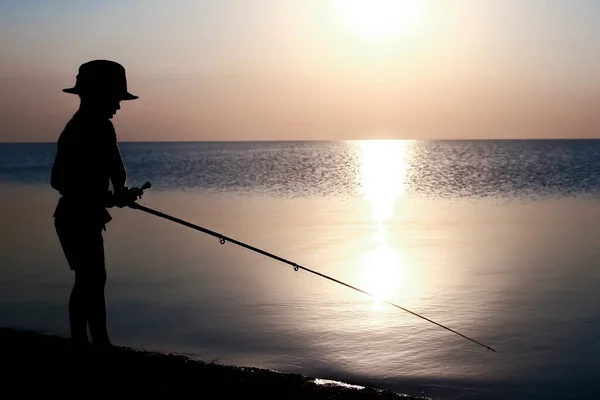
383, 174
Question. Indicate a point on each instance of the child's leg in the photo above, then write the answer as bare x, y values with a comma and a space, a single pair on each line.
84, 249
73, 245
96, 300
78, 312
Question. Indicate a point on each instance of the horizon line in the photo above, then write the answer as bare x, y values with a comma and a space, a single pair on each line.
332, 140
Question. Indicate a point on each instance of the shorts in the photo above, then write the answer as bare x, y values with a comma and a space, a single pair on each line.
82, 244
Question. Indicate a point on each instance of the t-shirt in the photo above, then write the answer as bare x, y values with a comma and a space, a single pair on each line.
87, 160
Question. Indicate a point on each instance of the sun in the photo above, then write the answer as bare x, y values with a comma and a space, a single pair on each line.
381, 19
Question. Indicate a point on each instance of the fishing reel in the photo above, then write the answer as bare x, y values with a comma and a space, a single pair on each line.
126, 196
138, 192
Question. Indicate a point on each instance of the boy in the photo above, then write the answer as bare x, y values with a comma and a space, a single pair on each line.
87, 159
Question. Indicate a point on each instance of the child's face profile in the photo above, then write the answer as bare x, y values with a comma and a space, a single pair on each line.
112, 106
105, 107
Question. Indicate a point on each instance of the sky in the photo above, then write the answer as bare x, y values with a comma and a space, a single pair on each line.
309, 69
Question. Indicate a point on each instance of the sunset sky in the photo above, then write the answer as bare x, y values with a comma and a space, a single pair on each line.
309, 69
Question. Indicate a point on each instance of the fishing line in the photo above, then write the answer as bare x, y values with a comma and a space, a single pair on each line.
224, 239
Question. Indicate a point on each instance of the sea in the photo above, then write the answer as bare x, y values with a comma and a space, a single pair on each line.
498, 240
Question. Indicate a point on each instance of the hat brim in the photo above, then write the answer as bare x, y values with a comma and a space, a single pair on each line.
129, 96
122, 97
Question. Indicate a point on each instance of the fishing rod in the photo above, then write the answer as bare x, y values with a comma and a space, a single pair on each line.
223, 239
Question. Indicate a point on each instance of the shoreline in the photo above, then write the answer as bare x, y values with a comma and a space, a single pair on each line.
47, 364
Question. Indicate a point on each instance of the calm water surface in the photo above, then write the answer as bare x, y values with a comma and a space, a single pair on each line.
496, 239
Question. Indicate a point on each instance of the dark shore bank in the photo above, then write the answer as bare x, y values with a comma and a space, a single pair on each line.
46, 364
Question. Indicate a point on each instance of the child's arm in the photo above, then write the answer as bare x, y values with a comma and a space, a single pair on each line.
57, 178
118, 174
122, 194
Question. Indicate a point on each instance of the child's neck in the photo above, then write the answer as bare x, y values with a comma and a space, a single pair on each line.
91, 112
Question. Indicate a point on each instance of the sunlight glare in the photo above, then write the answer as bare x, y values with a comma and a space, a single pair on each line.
384, 168
382, 274
381, 18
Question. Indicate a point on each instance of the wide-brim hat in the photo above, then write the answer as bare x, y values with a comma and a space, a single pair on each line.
101, 78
